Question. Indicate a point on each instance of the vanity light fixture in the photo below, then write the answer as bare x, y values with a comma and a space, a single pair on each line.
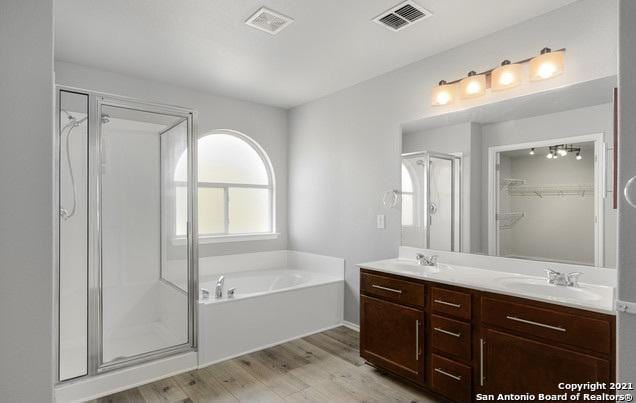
532, 151
547, 65
508, 75
579, 156
474, 85
443, 94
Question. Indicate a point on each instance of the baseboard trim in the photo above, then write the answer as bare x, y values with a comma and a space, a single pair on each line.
351, 325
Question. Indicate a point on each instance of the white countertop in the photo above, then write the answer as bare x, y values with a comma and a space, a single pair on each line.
597, 298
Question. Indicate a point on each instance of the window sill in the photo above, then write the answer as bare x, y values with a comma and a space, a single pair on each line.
229, 238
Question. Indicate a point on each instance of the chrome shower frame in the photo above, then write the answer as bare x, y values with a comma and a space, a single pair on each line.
96, 100
456, 161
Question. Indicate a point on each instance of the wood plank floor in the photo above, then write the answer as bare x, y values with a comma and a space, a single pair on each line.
324, 367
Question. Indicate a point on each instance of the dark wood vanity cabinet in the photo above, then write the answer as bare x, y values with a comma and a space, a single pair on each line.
458, 342
394, 337
514, 364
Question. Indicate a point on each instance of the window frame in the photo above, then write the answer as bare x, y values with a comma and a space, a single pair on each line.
226, 236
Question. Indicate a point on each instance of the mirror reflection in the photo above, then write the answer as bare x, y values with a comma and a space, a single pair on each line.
528, 178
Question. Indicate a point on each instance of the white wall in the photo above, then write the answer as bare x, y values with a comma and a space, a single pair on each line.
265, 124
345, 148
26, 232
627, 222
554, 227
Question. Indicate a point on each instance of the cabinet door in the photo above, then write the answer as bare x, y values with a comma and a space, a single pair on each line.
513, 364
392, 337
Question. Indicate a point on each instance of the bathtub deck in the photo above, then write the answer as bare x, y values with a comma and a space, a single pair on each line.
324, 367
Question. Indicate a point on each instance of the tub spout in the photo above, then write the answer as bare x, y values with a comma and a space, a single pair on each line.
218, 293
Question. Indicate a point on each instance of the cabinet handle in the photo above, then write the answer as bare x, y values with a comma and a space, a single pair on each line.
439, 301
529, 322
482, 378
387, 289
455, 377
437, 329
417, 339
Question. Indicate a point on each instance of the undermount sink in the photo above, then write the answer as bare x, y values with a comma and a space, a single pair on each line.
541, 287
414, 267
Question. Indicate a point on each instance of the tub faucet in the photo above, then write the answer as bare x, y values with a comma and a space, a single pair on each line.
205, 293
218, 293
426, 260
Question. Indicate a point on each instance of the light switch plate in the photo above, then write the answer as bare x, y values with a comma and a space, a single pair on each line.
380, 221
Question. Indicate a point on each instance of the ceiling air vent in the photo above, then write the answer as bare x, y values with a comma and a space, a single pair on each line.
403, 15
269, 21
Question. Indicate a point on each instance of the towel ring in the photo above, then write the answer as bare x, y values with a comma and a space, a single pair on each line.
626, 191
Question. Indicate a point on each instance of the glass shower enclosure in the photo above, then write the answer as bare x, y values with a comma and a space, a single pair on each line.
431, 201
126, 278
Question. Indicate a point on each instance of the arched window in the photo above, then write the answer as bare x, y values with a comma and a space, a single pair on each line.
236, 187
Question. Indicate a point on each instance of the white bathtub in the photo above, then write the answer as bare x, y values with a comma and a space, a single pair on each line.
270, 306
253, 283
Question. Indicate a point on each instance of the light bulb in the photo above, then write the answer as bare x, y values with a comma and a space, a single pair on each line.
578, 156
532, 152
473, 86
506, 76
548, 64
442, 94
550, 155
562, 152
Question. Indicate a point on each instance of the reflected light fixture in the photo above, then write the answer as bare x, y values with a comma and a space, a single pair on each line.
443, 94
506, 76
547, 65
474, 85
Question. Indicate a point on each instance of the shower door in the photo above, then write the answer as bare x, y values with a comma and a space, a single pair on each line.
127, 233
431, 201
142, 314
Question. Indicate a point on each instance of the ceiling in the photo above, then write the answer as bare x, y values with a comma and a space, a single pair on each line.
333, 44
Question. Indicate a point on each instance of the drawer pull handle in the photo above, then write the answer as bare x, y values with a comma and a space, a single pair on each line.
387, 289
482, 378
439, 301
417, 339
455, 377
529, 322
437, 329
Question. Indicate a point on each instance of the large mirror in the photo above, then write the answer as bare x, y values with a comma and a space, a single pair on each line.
527, 178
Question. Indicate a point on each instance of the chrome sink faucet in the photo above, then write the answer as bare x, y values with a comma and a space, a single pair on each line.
562, 279
218, 292
426, 260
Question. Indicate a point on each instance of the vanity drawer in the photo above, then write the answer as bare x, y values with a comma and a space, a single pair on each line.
393, 289
585, 332
451, 336
453, 303
451, 379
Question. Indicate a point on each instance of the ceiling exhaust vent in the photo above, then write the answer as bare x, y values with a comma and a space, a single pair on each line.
269, 21
403, 15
